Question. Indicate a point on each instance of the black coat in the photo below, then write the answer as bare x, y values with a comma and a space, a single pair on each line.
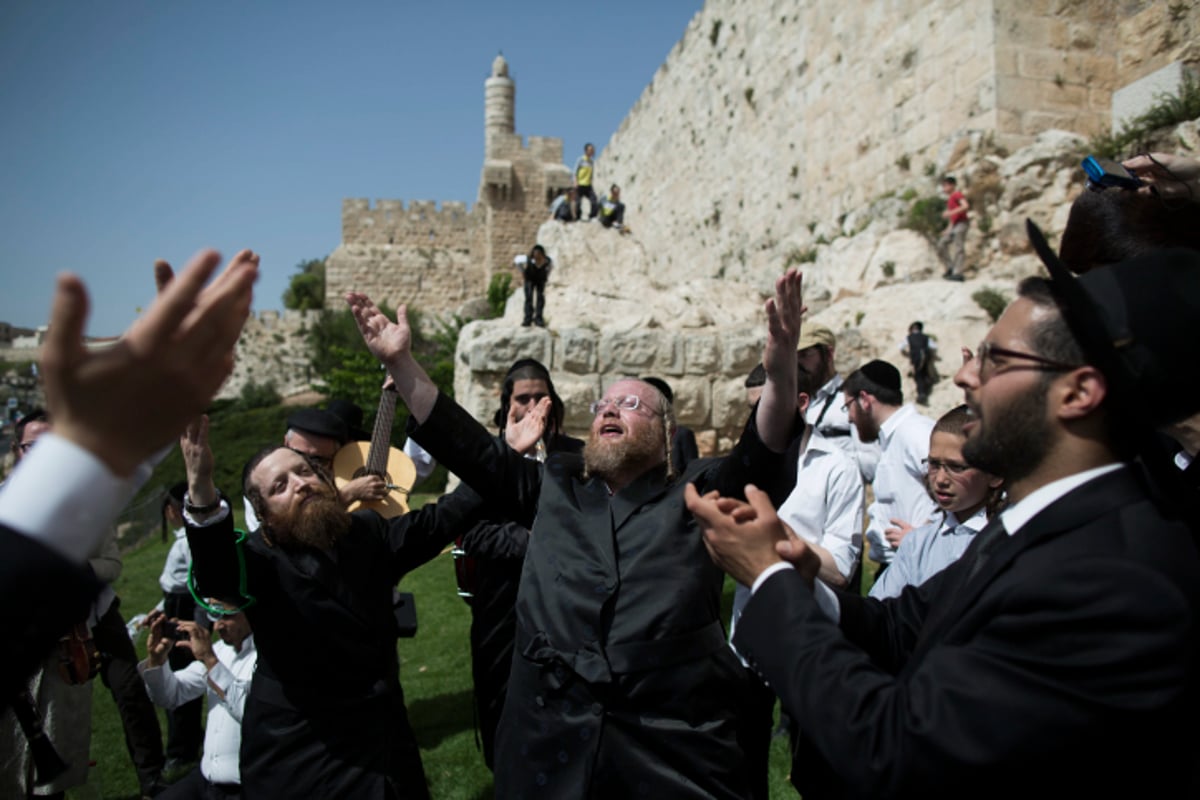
42, 594
325, 716
622, 681
496, 550
1067, 667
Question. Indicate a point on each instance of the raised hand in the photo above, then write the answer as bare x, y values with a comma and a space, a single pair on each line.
784, 313
198, 461
524, 434
124, 403
391, 343
777, 408
384, 338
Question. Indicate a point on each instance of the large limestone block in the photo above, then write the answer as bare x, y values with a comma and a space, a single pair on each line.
639, 352
693, 400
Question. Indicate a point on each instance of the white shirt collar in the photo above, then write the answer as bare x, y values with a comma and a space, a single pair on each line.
891, 423
1016, 516
975, 523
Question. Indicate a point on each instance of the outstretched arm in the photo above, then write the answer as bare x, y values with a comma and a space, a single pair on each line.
391, 343
777, 408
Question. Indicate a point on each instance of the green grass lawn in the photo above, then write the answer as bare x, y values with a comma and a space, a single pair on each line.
435, 670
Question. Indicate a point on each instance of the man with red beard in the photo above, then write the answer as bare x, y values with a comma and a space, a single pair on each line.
326, 720
1058, 657
621, 681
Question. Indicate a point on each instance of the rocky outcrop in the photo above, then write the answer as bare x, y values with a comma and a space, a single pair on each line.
616, 308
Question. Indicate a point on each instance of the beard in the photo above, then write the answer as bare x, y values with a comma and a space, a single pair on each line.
868, 431
637, 451
318, 523
1015, 439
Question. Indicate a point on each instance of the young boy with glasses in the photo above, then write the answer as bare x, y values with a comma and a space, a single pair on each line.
967, 498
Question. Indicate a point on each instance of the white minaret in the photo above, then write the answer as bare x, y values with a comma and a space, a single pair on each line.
499, 107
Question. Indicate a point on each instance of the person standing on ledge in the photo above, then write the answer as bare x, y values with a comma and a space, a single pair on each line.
952, 243
536, 270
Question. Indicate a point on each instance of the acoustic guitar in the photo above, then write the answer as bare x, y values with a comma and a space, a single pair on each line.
378, 457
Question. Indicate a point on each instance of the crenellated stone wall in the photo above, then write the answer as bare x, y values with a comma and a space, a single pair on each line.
442, 259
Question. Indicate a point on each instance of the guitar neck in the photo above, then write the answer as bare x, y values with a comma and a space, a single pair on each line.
381, 436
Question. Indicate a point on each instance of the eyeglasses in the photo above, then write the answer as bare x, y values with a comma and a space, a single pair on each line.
629, 402
988, 356
846, 405
24, 446
933, 466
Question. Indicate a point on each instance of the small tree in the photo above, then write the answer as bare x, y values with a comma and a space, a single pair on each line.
306, 290
499, 289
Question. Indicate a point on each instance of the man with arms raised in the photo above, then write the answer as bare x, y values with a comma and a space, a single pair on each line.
1058, 657
622, 681
326, 720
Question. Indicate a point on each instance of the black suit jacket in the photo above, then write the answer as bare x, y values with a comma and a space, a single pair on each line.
325, 716
1067, 665
41, 595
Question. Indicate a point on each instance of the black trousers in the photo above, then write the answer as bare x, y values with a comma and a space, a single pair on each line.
755, 721
535, 282
143, 737
185, 733
590, 193
617, 217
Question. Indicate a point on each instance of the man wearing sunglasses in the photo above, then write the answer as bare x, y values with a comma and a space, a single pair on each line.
622, 683
222, 670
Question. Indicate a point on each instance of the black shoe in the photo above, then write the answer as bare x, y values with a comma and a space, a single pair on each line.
526, 324
540, 323
953, 277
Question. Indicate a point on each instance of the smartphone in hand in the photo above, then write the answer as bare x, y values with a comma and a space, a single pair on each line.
1104, 172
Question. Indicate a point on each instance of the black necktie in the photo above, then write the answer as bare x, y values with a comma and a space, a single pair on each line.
986, 542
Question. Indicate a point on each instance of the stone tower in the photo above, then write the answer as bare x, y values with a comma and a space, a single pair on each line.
499, 107
518, 181
438, 259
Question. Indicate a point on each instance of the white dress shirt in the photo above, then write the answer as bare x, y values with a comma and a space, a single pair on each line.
927, 551
174, 577
899, 484
223, 730
824, 508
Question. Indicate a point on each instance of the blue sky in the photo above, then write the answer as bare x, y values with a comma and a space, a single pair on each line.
142, 130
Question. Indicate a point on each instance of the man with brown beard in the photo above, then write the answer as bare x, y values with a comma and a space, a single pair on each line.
621, 681
1057, 657
327, 720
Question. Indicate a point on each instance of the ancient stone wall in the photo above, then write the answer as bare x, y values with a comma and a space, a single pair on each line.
770, 121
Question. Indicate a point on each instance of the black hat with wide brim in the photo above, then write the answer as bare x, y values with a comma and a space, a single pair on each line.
1137, 323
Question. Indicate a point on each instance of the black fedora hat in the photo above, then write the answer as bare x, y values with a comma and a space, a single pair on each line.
1136, 322
318, 422
351, 414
